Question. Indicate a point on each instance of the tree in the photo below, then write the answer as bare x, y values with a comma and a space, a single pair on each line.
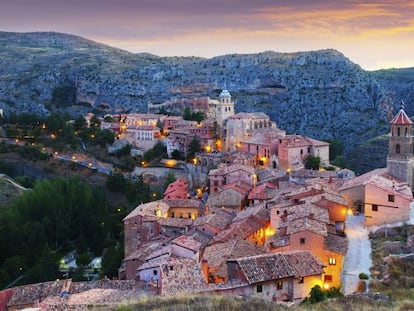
176, 155
95, 122
193, 147
312, 162
169, 178
111, 260
116, 182
80, 123
336, 149
104, 137
317, 294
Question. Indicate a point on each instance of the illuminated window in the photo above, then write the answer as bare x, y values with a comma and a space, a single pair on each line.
301, 280
332, 261
328, 278
279, 285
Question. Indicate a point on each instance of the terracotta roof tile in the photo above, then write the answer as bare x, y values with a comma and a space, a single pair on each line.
265, 267
218, 253
148, 209
380, 178
305, 223
336, 243
187, 242
401, 118
227, 169
175, 222
304, 263
182, 203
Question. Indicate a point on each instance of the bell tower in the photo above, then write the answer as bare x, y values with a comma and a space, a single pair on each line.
225, 109
400, 159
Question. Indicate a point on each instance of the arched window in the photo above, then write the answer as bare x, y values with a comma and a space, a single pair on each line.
398, 131
406, 132
397, 149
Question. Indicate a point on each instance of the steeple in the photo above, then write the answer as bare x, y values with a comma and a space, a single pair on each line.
226, 107
400, 160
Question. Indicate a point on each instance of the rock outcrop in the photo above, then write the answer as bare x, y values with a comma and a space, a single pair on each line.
321, 94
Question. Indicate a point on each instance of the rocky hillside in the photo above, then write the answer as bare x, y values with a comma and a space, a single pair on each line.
321, 94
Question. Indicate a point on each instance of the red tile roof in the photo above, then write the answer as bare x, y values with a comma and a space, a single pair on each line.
401, 118
263, 191
382, 179
187, 242
218, 253
276, 266
265, 267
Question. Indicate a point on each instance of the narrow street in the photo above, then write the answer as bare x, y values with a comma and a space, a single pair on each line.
358, 257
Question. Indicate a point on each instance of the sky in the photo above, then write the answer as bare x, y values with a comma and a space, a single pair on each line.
374, 34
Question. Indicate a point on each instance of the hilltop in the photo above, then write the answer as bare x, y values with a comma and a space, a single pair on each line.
321, 94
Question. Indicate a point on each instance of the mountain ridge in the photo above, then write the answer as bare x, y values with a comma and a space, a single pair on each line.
321, 94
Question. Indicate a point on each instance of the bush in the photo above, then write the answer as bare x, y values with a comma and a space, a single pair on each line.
317, 294
363, 276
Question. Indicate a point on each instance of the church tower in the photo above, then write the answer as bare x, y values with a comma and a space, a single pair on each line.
225, 109
400, 160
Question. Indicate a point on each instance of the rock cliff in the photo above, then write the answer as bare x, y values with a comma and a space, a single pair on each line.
321, 94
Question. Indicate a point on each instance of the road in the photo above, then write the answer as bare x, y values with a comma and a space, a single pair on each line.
358, 257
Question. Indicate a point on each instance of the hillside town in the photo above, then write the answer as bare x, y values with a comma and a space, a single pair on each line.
261, 213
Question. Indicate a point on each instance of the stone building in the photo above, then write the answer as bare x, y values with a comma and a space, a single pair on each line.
400, 160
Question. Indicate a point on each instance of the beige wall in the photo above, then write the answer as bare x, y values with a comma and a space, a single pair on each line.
388, 212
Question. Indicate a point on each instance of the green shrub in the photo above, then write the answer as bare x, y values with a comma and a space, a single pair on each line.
363, 276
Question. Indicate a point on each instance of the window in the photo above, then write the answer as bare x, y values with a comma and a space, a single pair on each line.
155, 272
301, 151
328, 278
171, 268
374, 207
397, 149
332, 261
302, 240
391, 198
301, 280
259, 288
189, 215
279, 285
398, 131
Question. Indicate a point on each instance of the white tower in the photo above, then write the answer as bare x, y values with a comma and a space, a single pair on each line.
225, 109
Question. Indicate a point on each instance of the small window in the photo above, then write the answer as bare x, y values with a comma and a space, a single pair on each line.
154, 272
328, 278
397, 149
301, 280
301, 151
302, 240
374, 207
171, 268
391, 198
279, 285
259, 288
332, 261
